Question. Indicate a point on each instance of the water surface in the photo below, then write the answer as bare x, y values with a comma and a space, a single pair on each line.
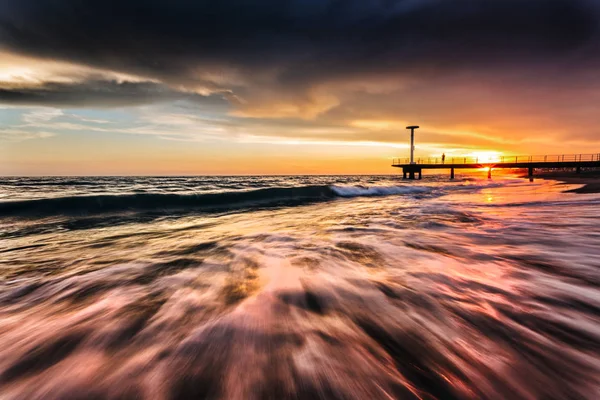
333, 287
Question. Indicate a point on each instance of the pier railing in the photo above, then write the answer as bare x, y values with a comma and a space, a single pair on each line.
502, 159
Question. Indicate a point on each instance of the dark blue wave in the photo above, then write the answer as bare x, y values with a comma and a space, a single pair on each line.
148, 202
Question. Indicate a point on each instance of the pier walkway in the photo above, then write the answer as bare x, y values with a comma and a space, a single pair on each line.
576, 161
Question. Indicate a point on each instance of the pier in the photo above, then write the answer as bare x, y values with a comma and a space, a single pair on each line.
415, 167
412, 167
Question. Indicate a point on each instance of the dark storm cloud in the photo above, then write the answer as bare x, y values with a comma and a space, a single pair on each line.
301, 41
100, 93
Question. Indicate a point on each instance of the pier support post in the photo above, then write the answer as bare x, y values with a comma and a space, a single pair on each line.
411, 174
451, 173
403, 173
490, 173
530, 172
578, 170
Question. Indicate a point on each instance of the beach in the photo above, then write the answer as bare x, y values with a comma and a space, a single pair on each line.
589, 179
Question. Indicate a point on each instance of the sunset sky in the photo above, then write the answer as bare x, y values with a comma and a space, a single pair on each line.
291, 86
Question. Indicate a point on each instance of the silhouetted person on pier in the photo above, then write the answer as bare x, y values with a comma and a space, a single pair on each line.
443, 158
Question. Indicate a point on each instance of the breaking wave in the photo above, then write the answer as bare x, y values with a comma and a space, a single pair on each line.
157, 202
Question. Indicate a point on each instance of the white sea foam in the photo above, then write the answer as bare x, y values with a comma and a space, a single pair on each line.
356, 191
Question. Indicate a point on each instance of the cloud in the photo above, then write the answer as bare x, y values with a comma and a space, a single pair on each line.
100, 93
298, 42
41, 116
17, 135
467, 69
24, 70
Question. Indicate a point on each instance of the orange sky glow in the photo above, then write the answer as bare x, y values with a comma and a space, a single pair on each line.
294, 105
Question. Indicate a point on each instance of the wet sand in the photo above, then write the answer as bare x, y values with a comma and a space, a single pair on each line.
589, 179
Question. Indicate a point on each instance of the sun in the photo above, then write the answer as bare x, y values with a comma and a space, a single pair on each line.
485, 156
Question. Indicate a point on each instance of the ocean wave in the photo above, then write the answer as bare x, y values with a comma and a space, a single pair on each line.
229, 200
358, 191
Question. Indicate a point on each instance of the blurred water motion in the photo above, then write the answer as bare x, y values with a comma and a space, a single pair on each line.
312, 287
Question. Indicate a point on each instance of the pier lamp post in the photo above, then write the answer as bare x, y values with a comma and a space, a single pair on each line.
412, 142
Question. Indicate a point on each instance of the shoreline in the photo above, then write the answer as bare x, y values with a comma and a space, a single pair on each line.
590, 180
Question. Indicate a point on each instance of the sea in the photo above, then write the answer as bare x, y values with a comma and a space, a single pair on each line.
298, 287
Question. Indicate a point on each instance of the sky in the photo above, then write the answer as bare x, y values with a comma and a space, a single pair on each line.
179, 87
